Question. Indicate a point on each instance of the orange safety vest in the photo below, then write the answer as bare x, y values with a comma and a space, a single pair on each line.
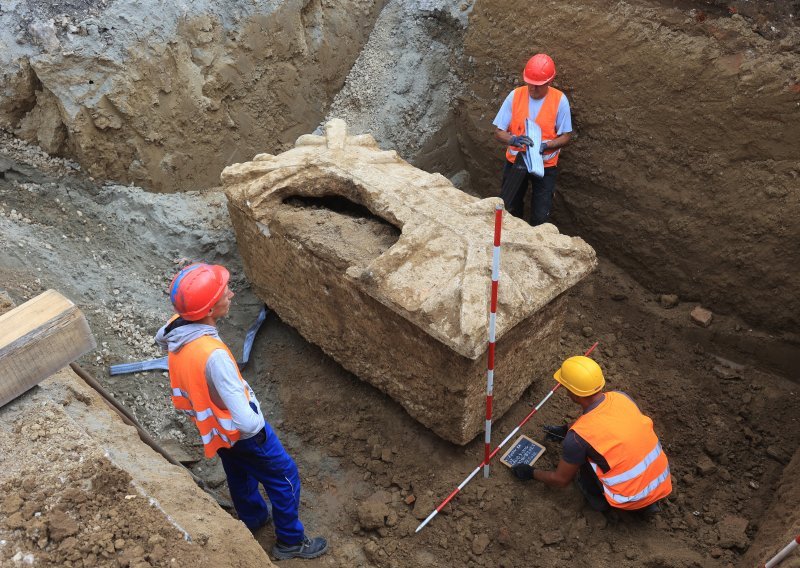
190, 395
546, 119
639, 471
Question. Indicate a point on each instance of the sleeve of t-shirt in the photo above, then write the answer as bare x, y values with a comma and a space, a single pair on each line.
573, 449
563, 117
223, 374
503, 118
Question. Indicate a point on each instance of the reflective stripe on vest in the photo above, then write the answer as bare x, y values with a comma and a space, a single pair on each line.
206, 414
191, 396
546, 119
638, 472
621, 499
209, 438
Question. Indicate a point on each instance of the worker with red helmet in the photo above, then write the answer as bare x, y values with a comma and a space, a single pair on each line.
612, 447
208, 388
549, 108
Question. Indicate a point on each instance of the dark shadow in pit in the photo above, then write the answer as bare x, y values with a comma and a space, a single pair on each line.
345, 232
337, 204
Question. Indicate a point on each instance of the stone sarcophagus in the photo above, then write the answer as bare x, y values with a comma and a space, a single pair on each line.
388, 269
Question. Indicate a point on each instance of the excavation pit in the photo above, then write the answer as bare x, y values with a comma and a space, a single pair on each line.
388, 269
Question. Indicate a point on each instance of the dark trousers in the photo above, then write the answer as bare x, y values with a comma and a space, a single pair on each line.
592, 489
262, 459
515, 185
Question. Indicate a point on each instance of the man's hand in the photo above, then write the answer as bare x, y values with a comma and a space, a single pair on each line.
520, 141
555, 433
543, 148
523, 471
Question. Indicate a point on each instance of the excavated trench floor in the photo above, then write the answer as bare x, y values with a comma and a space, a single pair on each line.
728, 428
725, 408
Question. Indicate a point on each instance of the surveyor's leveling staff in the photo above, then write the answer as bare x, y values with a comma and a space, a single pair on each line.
778, 558
494, 453
498, 223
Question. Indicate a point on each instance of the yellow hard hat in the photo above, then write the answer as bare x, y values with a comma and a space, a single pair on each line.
581, 375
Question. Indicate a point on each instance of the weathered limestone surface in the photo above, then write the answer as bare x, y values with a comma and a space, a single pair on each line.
388, 269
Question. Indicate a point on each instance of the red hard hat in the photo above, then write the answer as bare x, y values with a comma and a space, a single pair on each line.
196, 288
539, 70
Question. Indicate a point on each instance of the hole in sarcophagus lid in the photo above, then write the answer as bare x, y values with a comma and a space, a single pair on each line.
345, 232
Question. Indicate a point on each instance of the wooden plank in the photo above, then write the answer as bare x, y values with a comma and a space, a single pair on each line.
37, 339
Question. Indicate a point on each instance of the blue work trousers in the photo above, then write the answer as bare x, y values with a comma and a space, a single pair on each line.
262, 459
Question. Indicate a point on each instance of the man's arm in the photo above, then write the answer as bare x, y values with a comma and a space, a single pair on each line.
558, 142
502, 136
560, 477
222, 373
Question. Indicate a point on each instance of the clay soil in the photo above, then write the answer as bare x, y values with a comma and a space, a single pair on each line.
723, 398
370, 472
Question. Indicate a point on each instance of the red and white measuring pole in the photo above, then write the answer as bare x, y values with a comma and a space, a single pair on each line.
778, 558
487, 439
494, 453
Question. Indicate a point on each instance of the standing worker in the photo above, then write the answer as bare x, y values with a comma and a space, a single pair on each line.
612, 446
207, 386
549, 108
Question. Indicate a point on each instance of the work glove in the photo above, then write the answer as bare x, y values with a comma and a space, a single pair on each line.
555, 433
520, 141
523, 471
543, 148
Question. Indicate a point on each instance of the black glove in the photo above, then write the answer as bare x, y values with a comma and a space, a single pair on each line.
520, 141
523, 471
555, 433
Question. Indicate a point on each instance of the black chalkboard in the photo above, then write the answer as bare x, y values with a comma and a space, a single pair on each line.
524, 450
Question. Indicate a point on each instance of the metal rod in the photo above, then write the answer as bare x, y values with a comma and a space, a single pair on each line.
161, 364
787, 550
487, 438
497, 449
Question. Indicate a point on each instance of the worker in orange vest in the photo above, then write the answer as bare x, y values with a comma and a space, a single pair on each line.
612, 446
208, 388
549, 108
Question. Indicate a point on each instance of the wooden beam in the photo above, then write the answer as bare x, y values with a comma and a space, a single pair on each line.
37, 339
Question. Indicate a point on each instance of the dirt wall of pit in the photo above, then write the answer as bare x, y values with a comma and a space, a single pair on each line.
684, 170
780, 522
685, 167
77, 484
167, 96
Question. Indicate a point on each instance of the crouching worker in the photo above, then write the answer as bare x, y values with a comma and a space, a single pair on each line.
207, 386
612, 447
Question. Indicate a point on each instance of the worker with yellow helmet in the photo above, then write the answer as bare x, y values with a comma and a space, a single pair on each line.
611, 447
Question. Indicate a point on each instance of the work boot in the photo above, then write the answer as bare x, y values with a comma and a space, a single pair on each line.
308, 548
650, 511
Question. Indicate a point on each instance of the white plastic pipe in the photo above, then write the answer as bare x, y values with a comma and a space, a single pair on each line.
787, 550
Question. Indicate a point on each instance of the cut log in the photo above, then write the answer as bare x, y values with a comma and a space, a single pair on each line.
37, 339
